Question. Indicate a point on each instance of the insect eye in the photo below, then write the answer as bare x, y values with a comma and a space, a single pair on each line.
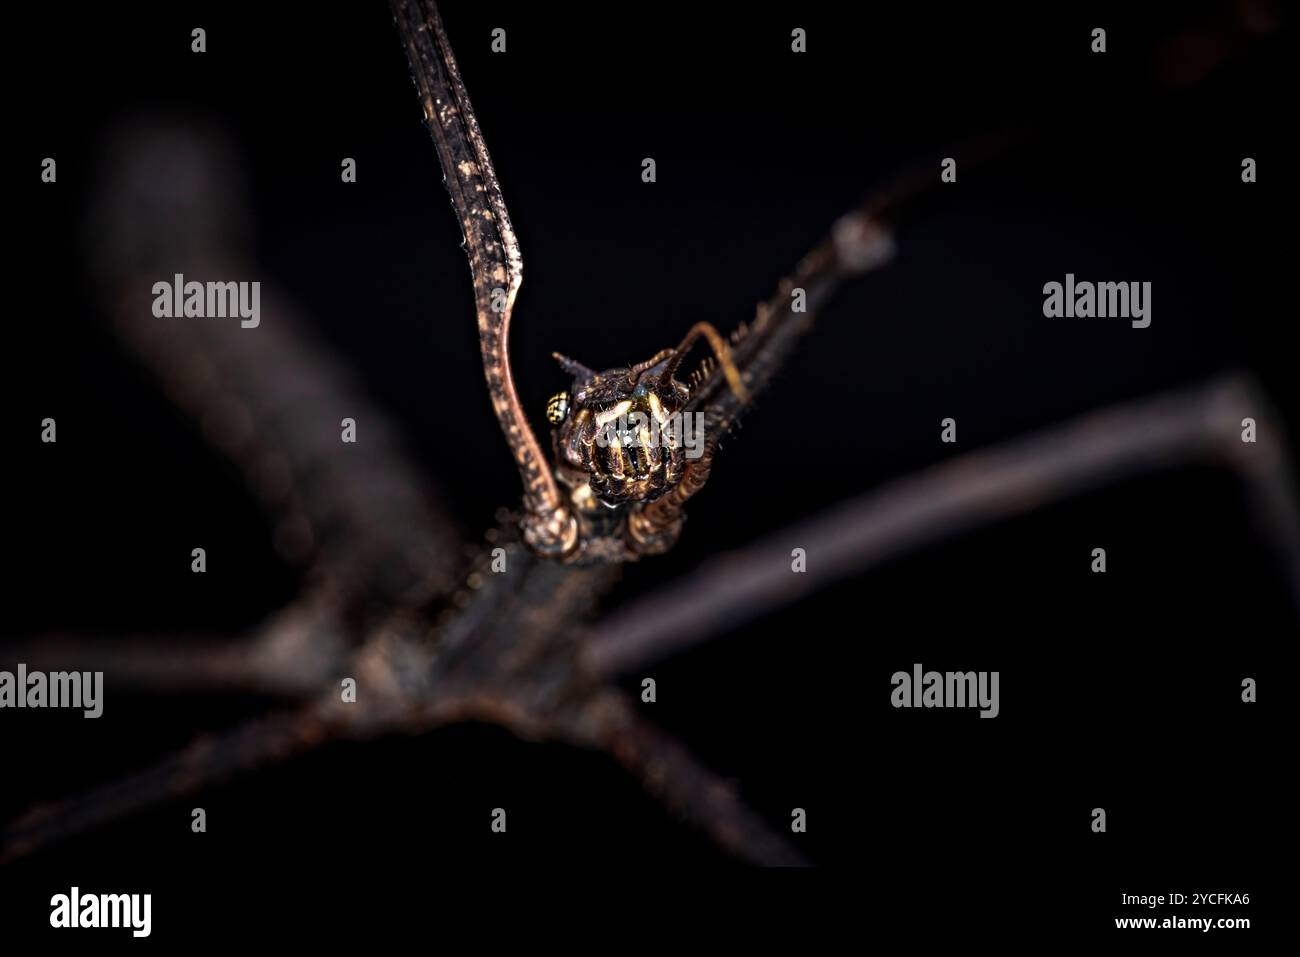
557, 408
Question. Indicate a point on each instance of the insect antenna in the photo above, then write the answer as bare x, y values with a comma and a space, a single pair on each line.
720, 349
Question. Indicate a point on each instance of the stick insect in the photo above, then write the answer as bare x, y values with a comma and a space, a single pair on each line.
432, 640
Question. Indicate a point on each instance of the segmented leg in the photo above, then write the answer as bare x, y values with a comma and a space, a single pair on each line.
292, 654
495, 261
357, 519
1200, 424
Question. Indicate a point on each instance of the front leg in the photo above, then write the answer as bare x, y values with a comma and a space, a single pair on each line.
495, 261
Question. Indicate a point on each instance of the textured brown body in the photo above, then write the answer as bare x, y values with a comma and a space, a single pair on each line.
503, 648
624, 433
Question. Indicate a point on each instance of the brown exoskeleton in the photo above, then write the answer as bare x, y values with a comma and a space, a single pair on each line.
564, 514
620, 437
513, 645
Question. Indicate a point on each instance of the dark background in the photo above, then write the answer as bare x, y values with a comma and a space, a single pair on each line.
1120, 691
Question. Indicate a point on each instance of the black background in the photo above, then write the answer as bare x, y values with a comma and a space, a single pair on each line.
1120, 691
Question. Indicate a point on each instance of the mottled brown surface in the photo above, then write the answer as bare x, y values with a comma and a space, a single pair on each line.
495, 261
